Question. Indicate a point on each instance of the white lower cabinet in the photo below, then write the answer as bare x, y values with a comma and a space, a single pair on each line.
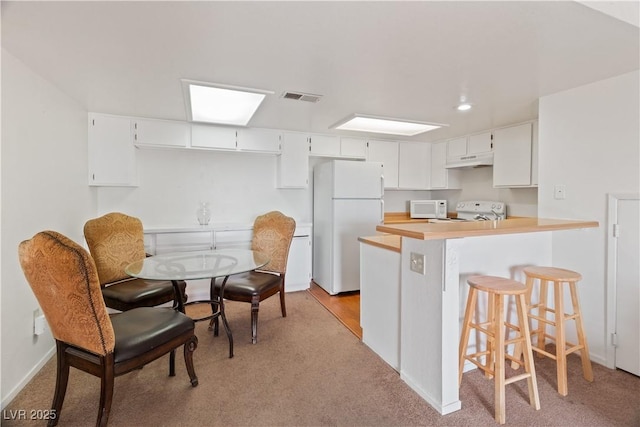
380, 302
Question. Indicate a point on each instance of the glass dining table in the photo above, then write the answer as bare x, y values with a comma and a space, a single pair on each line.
209, 264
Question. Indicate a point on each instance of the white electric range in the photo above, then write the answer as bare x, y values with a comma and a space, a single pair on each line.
477, 210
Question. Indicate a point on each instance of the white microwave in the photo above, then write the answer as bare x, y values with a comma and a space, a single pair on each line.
428, 208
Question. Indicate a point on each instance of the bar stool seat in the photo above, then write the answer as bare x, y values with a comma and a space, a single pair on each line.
494, 327
540, 310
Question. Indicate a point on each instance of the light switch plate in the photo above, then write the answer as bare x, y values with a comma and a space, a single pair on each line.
417, 263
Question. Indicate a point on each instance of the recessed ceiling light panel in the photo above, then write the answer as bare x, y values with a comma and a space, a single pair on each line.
385, 125
221, 104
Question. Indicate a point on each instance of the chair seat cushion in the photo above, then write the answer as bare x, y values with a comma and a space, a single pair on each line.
136, 291
249, 284
142, 329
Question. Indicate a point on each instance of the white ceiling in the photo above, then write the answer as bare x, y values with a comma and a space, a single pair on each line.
412, 60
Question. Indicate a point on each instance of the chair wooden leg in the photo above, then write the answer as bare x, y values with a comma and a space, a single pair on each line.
189, 348
62, 379
255, 306
107, 380
283, 307
172, 363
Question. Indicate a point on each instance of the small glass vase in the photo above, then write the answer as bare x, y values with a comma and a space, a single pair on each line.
203, 213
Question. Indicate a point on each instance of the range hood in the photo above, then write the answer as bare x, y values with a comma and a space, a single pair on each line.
470, 161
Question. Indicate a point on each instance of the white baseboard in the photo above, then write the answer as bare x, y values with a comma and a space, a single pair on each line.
18, 388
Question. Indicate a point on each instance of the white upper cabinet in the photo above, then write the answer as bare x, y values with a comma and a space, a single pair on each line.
160, 133
293, 162
259, 140
218, 137
325, 145
387, 153
513, 162
470, 144
480, 143
414, 166
457, 147
354, 148
112, 160
442, 178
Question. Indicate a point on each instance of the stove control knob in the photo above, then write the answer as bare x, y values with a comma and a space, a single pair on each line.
493, 206
460, 205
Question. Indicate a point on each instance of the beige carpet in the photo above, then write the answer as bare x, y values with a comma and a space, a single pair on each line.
309, 370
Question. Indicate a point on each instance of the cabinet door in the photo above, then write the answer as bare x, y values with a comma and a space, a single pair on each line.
299, 264
293, 162
512, 156
385, 152
442, 178
479, 143
457, 147
112, 160
414, 166
355, 148
259, 140
160, 133
239, 239
325, 145
220, 137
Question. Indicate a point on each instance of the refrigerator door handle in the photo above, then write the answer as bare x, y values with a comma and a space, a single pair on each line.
381, 185
381, 211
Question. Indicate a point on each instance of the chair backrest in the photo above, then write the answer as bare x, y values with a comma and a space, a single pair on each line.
272, 234
63, 278
115, 240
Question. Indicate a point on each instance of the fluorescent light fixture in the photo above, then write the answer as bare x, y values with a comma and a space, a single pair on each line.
221, 104
386, 125
464, 107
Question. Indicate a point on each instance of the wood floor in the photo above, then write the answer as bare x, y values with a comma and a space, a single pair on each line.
345, 306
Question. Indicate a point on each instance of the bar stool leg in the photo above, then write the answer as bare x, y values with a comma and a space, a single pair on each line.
561, 347
499, 374
587, 371
532, 382
541, 327
490, 357
466, 329
518, 348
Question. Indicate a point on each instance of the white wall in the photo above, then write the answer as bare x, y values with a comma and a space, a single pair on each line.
477, 184
589, 141
238, 187
44, 186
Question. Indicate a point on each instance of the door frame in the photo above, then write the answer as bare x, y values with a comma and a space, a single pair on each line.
612, 218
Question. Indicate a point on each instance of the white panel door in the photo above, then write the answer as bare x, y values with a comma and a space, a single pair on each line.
628, 286
351, 219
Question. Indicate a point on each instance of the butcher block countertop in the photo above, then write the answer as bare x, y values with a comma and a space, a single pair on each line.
390, 242
457, 229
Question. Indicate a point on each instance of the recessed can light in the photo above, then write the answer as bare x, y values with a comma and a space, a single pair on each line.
463, 107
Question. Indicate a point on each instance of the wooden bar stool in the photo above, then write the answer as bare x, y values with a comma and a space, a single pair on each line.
538, 311
494, 328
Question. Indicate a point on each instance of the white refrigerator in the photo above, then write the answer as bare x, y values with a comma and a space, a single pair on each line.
347, 203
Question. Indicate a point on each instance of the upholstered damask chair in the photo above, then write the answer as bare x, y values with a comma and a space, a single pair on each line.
272, 235
116, 240
64, 279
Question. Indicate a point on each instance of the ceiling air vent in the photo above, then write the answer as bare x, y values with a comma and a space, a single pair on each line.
299, 96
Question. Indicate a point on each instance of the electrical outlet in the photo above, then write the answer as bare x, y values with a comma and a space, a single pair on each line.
417, 263
38, 322
560, 192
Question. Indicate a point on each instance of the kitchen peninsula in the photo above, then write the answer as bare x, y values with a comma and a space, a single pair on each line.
435, 261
